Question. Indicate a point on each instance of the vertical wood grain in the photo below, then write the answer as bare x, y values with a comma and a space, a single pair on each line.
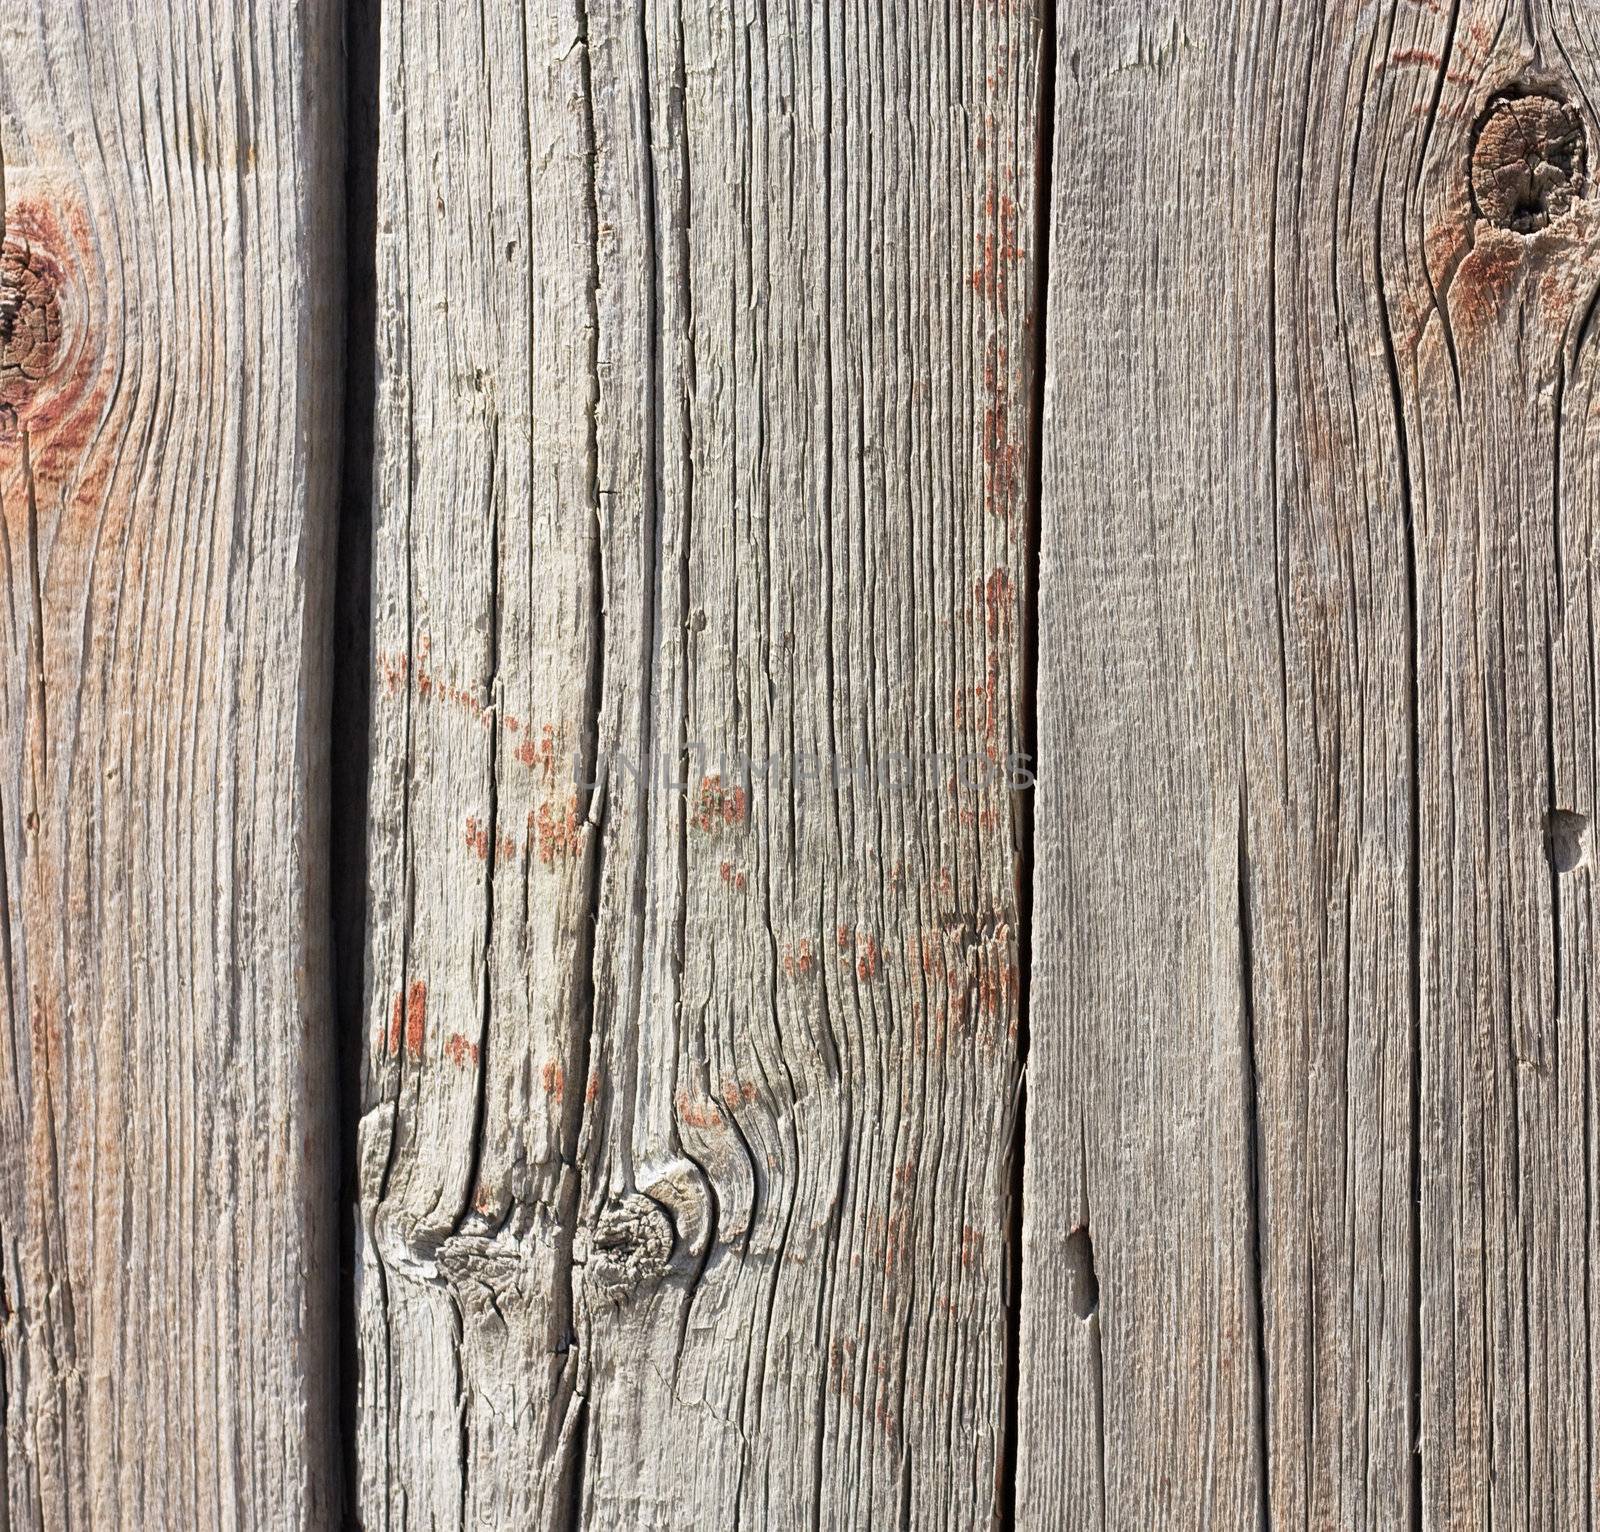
486, 613
807, 993
1309, 1162
168, 382
702, 395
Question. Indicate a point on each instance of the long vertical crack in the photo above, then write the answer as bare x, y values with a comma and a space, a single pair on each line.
1028, 666
352, 671
1414, 899
1252, 1143
591, 807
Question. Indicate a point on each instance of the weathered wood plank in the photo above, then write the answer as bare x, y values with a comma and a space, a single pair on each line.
486, 621
168, 393
805, 1041
1316, 660
702, 399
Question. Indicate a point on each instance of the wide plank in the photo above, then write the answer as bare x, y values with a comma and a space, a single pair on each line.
1309, 1151
702, 422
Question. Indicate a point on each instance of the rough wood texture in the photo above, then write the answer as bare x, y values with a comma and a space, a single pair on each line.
1309, 1158
701, 437
168, 381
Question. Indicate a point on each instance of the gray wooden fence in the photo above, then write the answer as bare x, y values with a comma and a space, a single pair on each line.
798, 765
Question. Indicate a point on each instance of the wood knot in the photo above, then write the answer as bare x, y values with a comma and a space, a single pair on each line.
1529, 160
632, 1245
31, 347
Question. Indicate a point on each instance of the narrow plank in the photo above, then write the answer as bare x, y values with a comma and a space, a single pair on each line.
703, 385
168, 390
1320, 666
486, 621
806, 996
1501, 415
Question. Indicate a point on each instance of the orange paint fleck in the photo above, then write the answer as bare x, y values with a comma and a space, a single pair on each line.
798, 957
394, 669
559, 834
396, 1025
698, 1115
718, 806
416, 1016
554, 1079
998, 596
972, 1243
460, 1051
867, 961
540, 754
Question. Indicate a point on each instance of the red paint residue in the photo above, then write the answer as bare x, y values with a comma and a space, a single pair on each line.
559, 834
998, 597
460, 1051
798, 957
695, 1114
554, 1079
718, 806
416, 1015
537, 754
867, 959
972, 1243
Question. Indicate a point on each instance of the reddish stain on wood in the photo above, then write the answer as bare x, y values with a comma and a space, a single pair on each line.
460, 1051
1002, 452
1483, 281
1423, 58
799, 958
393, 670
972, 1245
397, 1019
558, 832
538, 753
997, 596
718, 806
867, 958
477, 838
998, 249
397, 671
697, 1114
55, 384
554, 1079
998, 982
416, 1017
